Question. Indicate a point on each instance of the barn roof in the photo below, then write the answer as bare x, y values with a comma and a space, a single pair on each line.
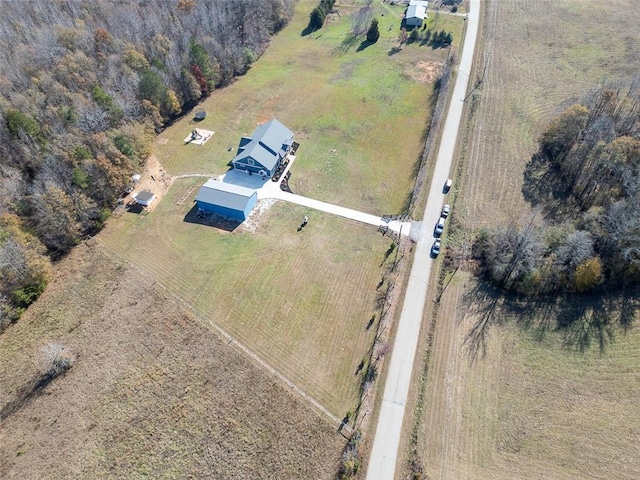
224, 194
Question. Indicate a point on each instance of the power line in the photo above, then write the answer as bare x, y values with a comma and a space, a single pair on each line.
484, 70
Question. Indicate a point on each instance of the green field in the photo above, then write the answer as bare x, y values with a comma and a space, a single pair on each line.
358, 115
299, 301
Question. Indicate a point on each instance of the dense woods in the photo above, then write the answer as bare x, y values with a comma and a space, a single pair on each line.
584, 234
84, 86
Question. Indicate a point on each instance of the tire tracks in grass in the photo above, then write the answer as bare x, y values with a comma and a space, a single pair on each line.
230, 340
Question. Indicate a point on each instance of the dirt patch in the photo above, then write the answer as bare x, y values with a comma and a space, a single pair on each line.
153, 179
425, 72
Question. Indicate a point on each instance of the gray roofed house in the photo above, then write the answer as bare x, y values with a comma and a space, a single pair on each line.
263, 151
226, 199
416, 13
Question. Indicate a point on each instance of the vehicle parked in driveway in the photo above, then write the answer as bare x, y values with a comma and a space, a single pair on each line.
435, 248
439, 227
446, 209
447, 185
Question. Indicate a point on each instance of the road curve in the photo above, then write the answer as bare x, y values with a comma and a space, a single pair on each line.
382, 462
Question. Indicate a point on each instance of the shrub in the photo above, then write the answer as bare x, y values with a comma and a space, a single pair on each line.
80, 178
350, 461
198, 56
56, 359
82, 153
136, 60
25, 296
20, 123
151, 87
588, 274
67, 114
104, 100
123, 144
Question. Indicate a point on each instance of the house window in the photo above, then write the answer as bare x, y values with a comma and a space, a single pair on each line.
250, 161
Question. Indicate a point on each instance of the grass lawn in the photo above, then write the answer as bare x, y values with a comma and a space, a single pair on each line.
358, 114
300, 301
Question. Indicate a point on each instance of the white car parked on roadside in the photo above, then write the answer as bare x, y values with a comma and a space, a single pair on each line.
446, 209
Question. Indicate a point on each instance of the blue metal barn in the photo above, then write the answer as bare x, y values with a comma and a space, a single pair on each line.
226, 199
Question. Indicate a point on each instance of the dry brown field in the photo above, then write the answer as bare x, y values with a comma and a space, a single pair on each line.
153, 393
529, 407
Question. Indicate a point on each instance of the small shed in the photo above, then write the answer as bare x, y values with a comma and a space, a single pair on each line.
226, 199
145, 198
200, 115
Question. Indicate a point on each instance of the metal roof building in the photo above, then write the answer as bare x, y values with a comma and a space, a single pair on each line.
144, 198
416, 13
263, 151
226, 199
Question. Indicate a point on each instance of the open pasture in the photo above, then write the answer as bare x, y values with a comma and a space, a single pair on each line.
358, 112
152, 392
530, 407
301, 301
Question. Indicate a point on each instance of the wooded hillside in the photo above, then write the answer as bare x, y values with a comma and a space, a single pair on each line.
84, 86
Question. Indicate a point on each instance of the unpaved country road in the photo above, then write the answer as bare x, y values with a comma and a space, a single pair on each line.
382, 463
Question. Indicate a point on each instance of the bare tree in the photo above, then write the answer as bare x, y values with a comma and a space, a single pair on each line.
514, 251
577, 248
56, 359
361, 20
622, 222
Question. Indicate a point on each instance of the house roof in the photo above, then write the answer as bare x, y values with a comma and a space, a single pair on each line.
416, 11
265, 143
224, 194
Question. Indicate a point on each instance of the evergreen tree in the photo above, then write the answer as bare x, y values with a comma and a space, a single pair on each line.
373, 33
316, 18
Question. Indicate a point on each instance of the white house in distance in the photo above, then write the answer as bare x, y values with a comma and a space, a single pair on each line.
416, 13
263, 151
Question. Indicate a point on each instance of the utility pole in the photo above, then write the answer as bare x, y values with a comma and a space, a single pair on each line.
484, 70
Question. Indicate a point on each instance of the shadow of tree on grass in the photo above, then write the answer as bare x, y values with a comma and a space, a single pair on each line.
580, 321
364, 44
347, 44
308, 30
